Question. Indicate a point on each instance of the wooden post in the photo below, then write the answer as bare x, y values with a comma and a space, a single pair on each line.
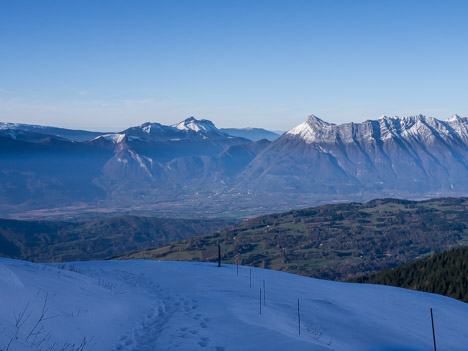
433, 332
298, 316
219, 255
264, 298
260, 300
250, 280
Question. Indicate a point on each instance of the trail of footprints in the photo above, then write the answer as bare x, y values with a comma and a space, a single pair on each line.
189, 308
145, 336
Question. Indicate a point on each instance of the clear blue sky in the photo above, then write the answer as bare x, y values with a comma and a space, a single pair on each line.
107, 65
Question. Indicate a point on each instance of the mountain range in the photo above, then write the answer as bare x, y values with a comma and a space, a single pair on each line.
193, 168
415, 154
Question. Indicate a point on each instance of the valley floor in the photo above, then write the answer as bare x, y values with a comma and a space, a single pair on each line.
150, 305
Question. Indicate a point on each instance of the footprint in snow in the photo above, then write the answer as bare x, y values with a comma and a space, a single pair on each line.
204, 341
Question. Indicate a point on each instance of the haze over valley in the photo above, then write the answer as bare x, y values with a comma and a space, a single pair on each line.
194, 169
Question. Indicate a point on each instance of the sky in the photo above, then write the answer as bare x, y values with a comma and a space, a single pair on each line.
109, 65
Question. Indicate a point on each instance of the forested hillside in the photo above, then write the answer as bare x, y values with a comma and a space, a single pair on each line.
42, 241
445, 273
334, 241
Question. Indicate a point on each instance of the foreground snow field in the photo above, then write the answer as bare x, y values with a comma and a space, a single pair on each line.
149, 305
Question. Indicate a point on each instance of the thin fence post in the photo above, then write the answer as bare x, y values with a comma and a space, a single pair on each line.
219, 255
433, 332
250, 280
237, 261
264, 297
260, 300
298, 316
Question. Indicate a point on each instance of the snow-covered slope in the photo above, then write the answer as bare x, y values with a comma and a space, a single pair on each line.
199, 126
254, 134
30, 137
114, 137
75, 135
148, 305
187, 129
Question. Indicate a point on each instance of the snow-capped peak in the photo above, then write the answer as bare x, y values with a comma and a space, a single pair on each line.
454, 118
189, 128
312, 120
199, 126
151, 127
313, 129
